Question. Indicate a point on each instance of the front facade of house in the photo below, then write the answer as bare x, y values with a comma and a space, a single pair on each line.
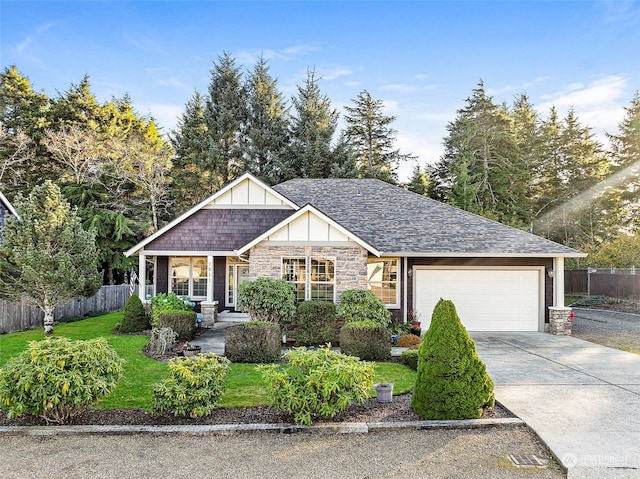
327, 236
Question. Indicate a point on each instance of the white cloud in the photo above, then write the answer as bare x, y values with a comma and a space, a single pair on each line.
29, 39
166, 115
334, 73
605, 91
173, 82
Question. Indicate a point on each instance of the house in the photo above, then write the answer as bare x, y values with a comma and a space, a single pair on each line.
329, 235
6, 209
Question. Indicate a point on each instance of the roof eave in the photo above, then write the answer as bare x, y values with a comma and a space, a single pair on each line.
445, 254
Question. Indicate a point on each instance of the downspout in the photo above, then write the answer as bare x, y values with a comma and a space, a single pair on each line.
405, 294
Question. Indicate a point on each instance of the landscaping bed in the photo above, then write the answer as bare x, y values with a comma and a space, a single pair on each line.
371, 411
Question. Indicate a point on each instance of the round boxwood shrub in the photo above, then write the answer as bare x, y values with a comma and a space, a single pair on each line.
183, 323
367, 340
315, 323
408, 340
410, 358
253, 342
452, 381
194, 386
363, 305
134, 318
58, 378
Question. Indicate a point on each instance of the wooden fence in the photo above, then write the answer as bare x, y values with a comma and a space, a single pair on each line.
613, 283
20, 316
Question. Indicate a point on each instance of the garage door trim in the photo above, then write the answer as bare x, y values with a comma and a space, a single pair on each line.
539, 269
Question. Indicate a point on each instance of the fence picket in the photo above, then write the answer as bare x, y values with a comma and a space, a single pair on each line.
20, 316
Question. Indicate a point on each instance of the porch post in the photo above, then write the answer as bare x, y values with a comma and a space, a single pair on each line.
142, 276
209, 279
209, 308
558, 282
405, 293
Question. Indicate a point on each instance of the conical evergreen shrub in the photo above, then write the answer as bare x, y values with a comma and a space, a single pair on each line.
452, 381
134, 318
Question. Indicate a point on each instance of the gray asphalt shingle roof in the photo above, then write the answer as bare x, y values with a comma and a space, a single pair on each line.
395, 221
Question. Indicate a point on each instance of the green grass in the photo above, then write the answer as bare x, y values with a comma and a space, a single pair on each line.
243, 385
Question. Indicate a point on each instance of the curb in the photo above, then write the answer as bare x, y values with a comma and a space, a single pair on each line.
228, 429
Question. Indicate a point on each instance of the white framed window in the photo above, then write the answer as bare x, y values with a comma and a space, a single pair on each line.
188, 277
382, 280
313, 277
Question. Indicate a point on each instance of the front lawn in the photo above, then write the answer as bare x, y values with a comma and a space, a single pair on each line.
244, 386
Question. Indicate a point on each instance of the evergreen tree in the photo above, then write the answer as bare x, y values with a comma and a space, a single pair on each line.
452, 381
225, 116
266, 127
372, 139
419, 182
311, 152
46, 255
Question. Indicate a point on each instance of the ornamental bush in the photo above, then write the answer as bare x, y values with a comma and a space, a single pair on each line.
183, 323
266, 299
318, 383
363, 305
452, 381
167, 303
58, 378
410, 358
365, 339
134, 318
408, 340
194, 386
253, 342
315, 323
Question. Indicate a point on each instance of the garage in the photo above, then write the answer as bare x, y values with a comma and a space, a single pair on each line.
487, 299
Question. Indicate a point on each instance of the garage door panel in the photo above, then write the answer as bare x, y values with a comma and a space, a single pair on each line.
486, 300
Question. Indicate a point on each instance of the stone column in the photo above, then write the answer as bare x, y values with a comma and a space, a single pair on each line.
560, 320
209, 311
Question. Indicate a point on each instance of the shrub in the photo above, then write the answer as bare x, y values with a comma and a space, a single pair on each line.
266, 299
58, 378
362, 305
410, 358
317, 383
134, 318
253, 342
167, 303
366, 340
452, 381
408, 340
182, 322
194, 386
315, 323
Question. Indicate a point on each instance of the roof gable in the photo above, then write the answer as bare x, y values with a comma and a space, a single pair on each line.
246, 192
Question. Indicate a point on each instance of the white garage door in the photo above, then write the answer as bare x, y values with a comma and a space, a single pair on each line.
486, 299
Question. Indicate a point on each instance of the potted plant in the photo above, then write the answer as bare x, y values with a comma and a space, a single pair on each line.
189, 350
384, 391
414, 319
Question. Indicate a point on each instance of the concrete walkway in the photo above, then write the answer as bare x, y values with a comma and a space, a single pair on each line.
582, 399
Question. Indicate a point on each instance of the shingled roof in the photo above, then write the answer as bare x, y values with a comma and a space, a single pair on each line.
399, 222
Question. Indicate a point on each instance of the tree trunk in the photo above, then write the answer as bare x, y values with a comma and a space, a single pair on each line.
48, 320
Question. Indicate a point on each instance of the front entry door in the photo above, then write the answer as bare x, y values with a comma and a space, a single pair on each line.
236, 274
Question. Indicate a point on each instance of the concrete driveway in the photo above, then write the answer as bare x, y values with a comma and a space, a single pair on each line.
582, 399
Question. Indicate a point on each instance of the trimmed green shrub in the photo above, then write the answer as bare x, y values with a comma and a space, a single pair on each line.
58, 378
253, 342
408, 340
167, 303
318, 383
410, 358
194, 386
365, 339
134, 318
452, 381
266, 299
182, 322
315, 323
363, 305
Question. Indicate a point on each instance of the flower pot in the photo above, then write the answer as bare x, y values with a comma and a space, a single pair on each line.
192, 351
394, 339
384, 392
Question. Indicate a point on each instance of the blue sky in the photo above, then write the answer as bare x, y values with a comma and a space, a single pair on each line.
422, 58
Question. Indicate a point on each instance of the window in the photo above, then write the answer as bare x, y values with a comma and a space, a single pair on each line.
314, 278
189, 277
382, 280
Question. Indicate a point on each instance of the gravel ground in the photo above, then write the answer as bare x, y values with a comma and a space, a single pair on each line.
478, 453
617, 326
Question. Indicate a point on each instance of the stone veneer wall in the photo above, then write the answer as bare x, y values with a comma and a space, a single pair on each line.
265, 261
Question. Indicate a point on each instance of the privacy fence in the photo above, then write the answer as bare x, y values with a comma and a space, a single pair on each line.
622, 283
20, 316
